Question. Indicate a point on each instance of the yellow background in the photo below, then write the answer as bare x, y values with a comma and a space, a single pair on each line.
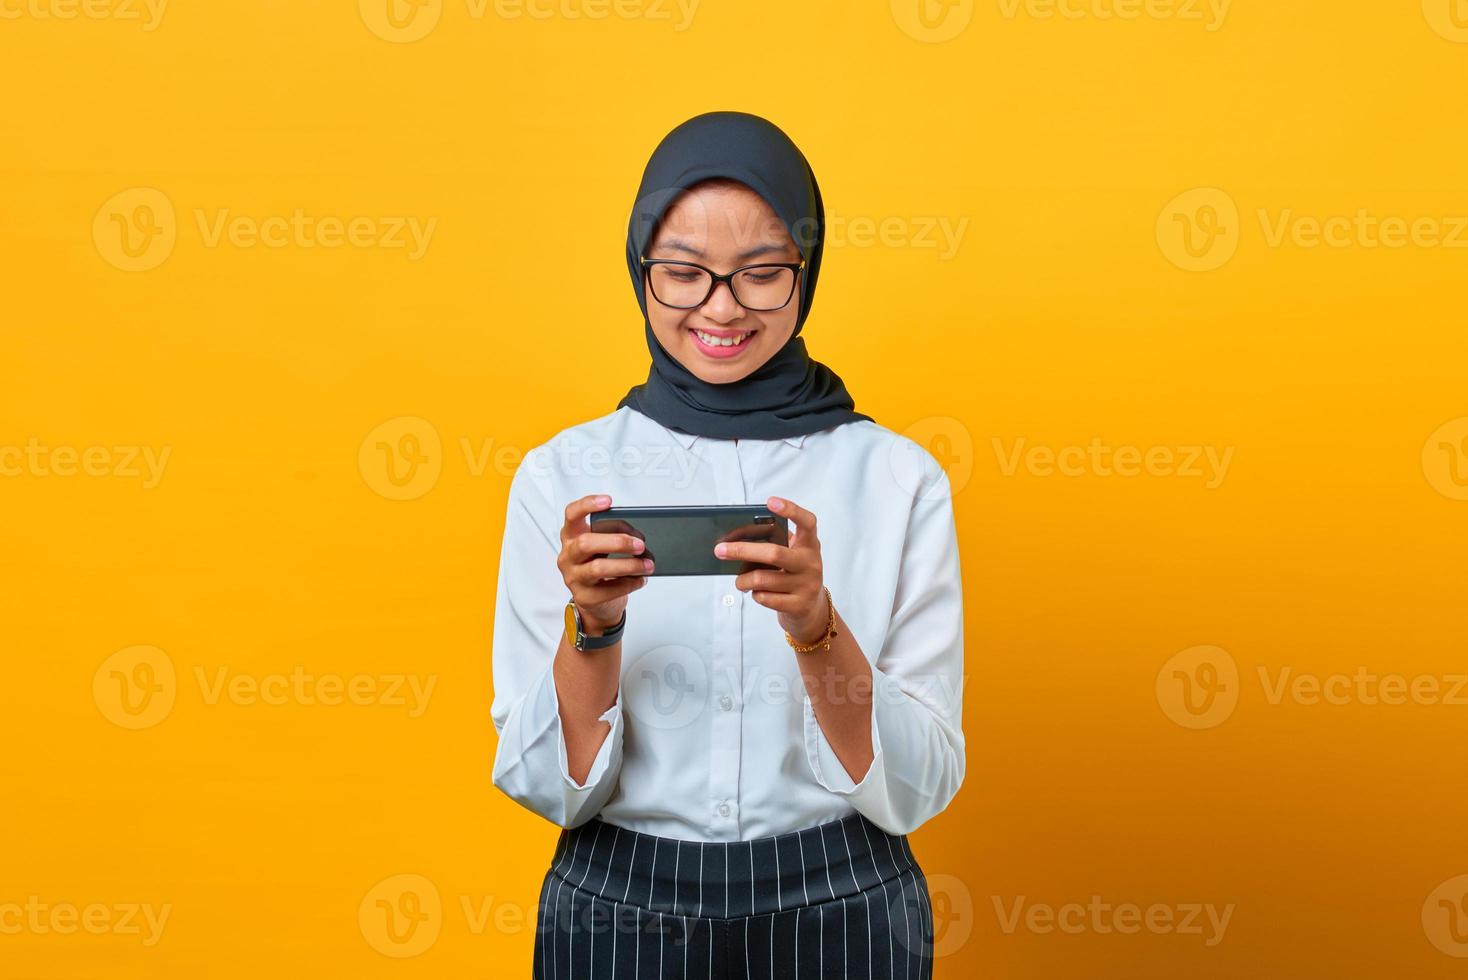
1335, 540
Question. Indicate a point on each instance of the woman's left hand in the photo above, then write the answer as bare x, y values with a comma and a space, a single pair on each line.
794, 588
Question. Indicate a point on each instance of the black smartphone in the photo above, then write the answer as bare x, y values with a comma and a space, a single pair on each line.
680, 540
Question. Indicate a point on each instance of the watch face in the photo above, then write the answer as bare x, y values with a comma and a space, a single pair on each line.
571, 623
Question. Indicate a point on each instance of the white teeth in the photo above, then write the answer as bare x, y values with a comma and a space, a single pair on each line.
713, 341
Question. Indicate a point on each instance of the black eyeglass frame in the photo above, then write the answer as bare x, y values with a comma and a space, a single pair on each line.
715, 279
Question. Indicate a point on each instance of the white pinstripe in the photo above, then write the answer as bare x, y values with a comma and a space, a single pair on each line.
827, 863
611, 859
632, 863
751, 878
560, 848
871, 853
779, 890
797, 940
556, 918
867, 902
850, 861
590, 854
845, 965
906, 929
891, 944
772, 936
928, 913
652, 875
571, 930
800, 839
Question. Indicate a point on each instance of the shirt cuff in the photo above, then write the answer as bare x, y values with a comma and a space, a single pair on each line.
828, 770
603, 760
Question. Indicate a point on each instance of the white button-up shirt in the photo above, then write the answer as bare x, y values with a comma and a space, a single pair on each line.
712, 734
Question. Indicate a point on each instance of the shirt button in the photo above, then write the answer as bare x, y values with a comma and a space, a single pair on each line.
723, 809
728, 600
726, 703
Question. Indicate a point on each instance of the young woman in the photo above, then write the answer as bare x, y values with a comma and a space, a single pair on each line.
736, 758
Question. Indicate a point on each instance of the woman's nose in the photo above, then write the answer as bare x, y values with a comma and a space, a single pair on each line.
721, 307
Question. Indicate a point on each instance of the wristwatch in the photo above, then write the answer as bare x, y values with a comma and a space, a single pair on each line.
576, 634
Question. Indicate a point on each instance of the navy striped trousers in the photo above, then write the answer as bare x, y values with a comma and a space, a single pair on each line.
844, 899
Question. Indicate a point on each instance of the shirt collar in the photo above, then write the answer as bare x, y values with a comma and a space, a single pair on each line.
687, 439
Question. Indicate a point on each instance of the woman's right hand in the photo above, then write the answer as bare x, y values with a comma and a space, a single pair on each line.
600, 586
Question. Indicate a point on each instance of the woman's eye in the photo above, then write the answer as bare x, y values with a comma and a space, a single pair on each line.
683, 276
760, 277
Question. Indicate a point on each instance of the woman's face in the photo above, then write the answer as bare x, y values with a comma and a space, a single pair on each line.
723, 226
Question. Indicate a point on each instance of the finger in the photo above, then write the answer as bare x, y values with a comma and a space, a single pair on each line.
804, 520
785, 602
767, 581
762, 552
597, 569
589, 543
577, 510
595, 595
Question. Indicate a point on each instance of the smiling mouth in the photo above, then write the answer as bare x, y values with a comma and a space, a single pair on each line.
721, 345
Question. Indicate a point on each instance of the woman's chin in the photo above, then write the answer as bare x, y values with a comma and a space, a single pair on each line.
717, 372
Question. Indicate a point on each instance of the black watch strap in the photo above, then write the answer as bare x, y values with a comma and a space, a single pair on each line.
609, 638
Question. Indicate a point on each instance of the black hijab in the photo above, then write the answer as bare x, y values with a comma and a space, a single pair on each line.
790, 394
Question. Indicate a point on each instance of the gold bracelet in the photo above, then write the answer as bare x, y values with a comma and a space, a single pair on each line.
824, 642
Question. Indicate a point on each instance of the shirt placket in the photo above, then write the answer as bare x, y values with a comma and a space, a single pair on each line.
725, 703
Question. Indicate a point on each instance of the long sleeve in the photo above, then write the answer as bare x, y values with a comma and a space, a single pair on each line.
917, 691
530, 763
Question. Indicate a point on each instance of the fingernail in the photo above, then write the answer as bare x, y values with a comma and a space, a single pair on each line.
603, 500
776, 504
647, 564
637, 546
721, 550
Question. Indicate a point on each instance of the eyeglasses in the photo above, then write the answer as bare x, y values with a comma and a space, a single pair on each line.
687, 286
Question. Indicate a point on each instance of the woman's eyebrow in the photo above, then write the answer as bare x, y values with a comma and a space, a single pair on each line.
764, 249
678, 245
